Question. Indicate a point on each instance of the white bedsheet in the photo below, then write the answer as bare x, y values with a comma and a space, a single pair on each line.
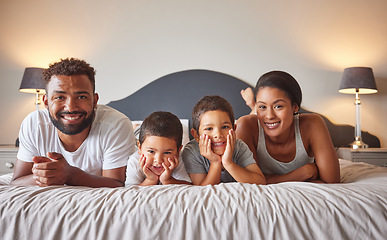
354, 209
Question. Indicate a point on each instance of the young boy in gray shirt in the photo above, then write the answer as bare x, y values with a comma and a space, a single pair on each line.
215, 155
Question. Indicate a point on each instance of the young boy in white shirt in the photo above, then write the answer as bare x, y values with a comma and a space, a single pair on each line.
157, 159
215, 155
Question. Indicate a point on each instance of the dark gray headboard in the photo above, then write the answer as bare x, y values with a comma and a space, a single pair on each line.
179, 92
343, 135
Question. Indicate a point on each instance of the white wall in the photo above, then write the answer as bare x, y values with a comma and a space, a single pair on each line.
131, 43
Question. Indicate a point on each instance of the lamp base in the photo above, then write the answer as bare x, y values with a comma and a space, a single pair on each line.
358, 143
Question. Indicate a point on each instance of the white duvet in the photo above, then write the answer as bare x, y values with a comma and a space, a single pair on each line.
353, 209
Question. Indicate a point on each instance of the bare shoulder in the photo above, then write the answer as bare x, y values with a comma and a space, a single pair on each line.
251, 118
313, 125
247, 121
247, 129
310, 120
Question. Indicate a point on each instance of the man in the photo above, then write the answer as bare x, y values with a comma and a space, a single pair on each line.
73, 141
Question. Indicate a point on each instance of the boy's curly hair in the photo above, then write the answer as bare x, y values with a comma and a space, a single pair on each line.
69, 67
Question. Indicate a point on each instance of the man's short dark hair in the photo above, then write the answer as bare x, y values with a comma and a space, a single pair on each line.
162, 124
211, 103
69, 67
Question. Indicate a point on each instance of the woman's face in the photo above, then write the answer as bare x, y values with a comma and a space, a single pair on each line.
274, 111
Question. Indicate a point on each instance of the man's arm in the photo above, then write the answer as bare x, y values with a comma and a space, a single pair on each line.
22, 174
110, 178
56, 171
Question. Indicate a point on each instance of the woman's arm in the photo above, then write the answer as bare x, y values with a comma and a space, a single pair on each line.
322, 147
308, 172
247, 130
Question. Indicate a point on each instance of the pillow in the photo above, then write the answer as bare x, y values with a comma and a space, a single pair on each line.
184, 123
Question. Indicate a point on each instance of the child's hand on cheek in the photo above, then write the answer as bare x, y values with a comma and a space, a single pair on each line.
228, 152
145, 168
168, 168
205, 149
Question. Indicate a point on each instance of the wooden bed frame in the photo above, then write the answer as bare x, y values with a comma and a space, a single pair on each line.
165, 94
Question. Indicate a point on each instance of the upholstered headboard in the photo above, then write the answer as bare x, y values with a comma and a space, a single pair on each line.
179, 92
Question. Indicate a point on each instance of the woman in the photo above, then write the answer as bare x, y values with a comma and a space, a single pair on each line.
287, 146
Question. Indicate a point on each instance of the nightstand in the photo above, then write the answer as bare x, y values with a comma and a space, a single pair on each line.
375, 156
7, 159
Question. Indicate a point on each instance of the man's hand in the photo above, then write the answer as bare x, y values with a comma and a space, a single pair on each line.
150, 176
50, 170
168, 168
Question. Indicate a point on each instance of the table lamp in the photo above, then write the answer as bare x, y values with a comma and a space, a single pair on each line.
33, 82
358, 80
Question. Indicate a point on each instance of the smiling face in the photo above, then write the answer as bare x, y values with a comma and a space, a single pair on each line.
70, 101
274, 111
157, 150
216, 124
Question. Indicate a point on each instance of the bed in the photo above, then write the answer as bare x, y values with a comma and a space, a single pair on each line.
356, 208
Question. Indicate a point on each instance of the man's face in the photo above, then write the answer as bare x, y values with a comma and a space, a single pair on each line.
70, 101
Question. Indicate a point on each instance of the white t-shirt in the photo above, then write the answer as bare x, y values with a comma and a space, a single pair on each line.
108, 145
135, 175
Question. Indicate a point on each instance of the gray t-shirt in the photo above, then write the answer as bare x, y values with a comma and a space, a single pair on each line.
195, 163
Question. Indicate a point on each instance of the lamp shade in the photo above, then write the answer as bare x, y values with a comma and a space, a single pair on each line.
32, 81
359, 79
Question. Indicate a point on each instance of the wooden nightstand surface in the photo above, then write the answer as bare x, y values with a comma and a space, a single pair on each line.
7, 158
375, 156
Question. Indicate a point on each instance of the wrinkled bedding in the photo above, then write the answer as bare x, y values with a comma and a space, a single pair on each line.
353, 209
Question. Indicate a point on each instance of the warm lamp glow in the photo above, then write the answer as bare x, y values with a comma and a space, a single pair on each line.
33, 82
40, 91
358, 80
360, 91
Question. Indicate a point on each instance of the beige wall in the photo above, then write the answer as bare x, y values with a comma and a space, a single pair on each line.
131, 43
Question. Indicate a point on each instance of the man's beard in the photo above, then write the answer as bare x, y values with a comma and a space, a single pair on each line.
70, 129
